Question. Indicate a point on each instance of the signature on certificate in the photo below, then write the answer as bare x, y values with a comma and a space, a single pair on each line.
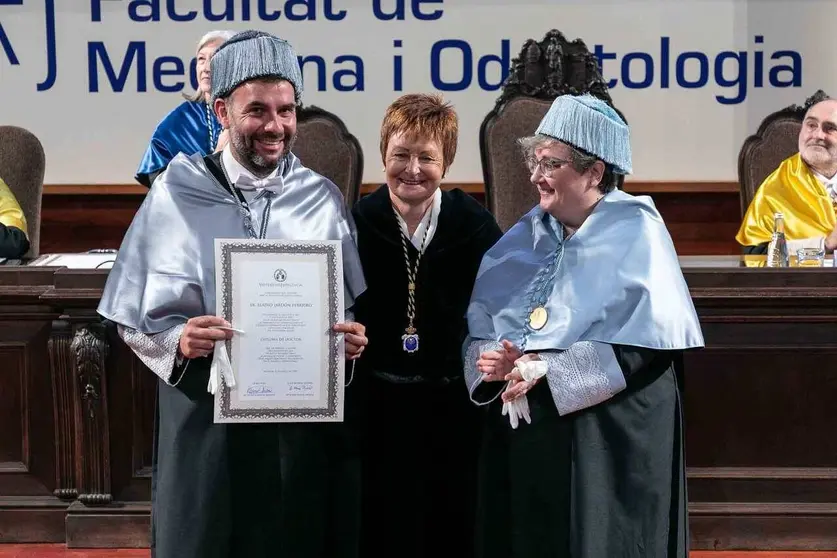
259, 388
301, 386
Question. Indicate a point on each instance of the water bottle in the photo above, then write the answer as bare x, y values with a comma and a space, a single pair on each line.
777, 250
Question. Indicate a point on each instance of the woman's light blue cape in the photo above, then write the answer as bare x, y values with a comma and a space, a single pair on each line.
618, 281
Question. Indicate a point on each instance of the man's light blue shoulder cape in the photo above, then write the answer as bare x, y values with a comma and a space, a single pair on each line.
619, 282
164, 273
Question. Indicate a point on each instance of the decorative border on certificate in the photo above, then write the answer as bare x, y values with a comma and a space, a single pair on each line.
228, 408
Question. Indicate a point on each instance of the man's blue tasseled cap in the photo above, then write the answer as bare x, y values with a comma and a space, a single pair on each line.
250, 55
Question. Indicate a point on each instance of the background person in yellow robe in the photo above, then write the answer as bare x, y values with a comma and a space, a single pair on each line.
803, 188
14, 242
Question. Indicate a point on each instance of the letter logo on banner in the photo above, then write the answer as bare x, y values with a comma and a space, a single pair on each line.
96, 51
52, 63
5, 44
353, 74
693, 69
143, 53
397, 68
144, 11
7, 47
399, 11
464, 56
453, 63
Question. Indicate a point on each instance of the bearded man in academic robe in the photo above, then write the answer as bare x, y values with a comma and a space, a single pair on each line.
219, 490
803, 188
577, 323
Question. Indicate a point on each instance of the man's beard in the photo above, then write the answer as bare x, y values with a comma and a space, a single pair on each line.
251, 159
820, 154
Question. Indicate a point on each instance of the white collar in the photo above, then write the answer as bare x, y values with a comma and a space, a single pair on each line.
829, 183
429, 221
235, 170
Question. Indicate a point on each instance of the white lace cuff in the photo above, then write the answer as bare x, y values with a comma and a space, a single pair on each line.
584, 375
473, 378
158, 351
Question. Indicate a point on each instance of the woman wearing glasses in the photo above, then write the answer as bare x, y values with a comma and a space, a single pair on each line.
420, 248
577, 325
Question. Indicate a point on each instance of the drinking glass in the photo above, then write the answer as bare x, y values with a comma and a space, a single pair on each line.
810, 257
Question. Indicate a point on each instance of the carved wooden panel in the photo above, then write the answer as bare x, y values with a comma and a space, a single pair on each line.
89, 348
27, 460
61, 365
28, 474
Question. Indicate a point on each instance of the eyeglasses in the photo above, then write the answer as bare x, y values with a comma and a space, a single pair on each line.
404, 159
547, 165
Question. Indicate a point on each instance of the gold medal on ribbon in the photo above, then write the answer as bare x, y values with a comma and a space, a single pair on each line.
538, 317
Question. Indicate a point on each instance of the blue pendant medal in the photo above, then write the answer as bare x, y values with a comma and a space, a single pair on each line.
410, 342
410, 339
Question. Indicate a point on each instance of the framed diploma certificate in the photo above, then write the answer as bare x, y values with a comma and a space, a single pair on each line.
282, 297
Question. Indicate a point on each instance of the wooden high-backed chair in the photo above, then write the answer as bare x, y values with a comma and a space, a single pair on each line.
326, 146
542, 71
22, 167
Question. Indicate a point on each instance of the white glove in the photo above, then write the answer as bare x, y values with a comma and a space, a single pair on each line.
221, 367
518, 408
510, 408
531, 370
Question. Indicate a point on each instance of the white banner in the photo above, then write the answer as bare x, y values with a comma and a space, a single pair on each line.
92, 78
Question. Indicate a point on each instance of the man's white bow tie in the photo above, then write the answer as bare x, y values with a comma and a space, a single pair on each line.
274, 184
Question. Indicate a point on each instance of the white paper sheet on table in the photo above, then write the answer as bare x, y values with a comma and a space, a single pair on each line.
76, 261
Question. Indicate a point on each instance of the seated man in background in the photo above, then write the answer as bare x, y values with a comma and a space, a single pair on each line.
13, 240
803, 188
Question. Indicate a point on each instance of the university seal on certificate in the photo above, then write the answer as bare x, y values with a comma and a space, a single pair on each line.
282, 297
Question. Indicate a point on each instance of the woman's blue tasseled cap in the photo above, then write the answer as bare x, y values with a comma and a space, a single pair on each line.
589, 123
250, 55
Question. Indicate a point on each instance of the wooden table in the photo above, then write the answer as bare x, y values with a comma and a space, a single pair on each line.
77, 408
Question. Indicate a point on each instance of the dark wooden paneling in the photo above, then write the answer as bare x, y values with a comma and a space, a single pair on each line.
700, 222
12, 413
631, 186
29, 509
76, 223
769, 409
27, 441
761, 456
783, 528
32, 520
117, 525
131, 425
